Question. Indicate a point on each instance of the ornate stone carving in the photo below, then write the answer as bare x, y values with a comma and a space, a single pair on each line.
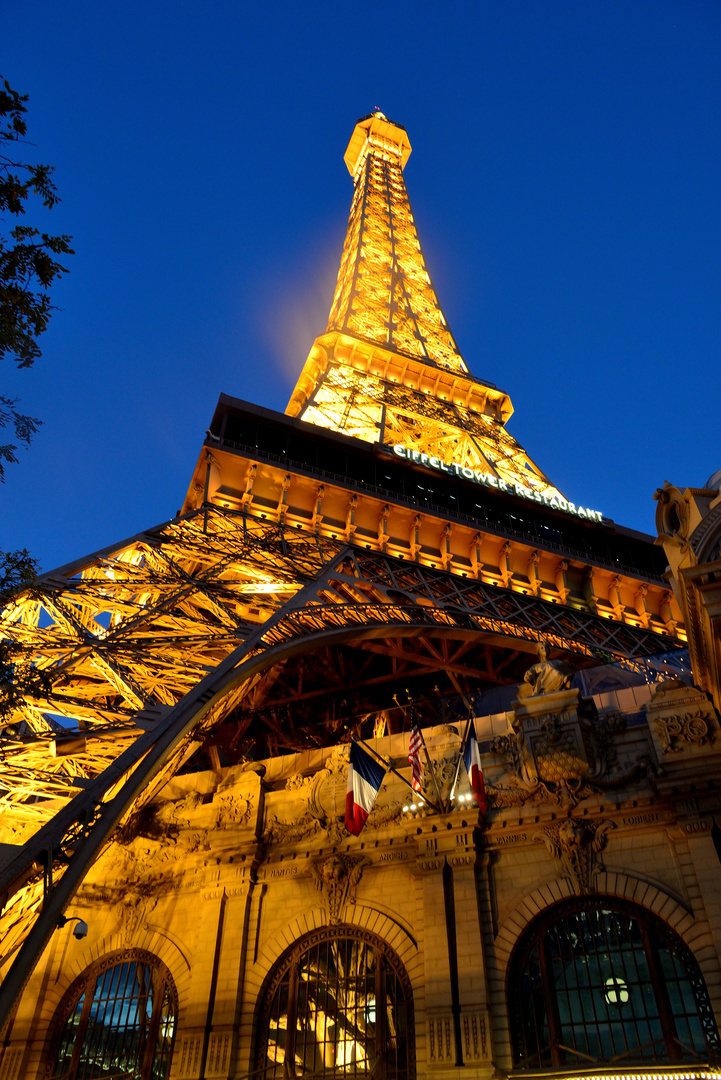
575, 843
444, 767
555, 750
326, 795
134, 912
560, 751
382, 815
289, 832
475, 1038
441, 1040
681, 718
516, 795
673, 517
675, 730
233, 809
159, 820
297, 782
323, 813
336, 877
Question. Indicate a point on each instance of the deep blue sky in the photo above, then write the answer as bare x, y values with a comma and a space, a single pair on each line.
565, 177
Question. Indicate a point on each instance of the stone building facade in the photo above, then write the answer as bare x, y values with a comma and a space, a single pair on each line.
224, 873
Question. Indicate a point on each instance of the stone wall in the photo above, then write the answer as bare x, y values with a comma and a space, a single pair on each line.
223, 872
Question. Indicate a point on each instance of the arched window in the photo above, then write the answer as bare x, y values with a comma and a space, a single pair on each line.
117, 1019
598, 979
338, 1003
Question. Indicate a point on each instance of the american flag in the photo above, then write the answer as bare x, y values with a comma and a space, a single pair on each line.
414, 756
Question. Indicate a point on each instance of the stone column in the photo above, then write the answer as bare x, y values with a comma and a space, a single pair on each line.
190, 1044
472, 981
440, 1031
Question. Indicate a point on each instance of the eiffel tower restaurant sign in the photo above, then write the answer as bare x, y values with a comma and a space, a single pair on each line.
486, 479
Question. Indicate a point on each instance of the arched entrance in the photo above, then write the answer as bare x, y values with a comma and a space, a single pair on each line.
338, 1001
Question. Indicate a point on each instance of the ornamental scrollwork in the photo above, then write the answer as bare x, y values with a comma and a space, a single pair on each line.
559, 750
673, 731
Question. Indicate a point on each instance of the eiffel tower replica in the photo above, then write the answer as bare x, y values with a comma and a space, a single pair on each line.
385, 539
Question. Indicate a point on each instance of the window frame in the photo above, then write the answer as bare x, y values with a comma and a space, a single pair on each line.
535, 937
386, 958
86, 984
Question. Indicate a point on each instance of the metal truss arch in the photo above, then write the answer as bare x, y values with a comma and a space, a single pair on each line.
335, 594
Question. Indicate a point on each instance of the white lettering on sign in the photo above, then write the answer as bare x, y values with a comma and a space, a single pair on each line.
477, 476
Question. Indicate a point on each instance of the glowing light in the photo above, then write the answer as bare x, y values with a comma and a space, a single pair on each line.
616, 992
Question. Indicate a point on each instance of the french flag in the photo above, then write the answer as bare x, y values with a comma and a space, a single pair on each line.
472, 761
365, 777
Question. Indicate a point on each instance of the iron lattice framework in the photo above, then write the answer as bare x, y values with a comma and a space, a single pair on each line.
151, 647
362, 404
384, 292
156, 645
126, 636
381, 371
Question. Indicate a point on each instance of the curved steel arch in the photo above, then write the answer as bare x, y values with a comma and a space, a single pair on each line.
318, 614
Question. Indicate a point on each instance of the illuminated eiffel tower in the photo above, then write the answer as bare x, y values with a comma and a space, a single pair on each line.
386, 533
387, 369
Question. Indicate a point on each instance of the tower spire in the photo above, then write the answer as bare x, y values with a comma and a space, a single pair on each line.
384, 292
387, 369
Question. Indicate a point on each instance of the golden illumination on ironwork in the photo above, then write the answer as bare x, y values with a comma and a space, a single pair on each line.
384, 292
339, 1003
388, 368
126, 636
283, 606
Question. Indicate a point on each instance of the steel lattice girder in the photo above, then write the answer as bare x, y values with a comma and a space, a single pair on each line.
347, 401
352, 594
384, 292
133, 631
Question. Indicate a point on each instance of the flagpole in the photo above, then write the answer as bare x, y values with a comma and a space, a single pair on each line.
392, 768
431, 770
460, 756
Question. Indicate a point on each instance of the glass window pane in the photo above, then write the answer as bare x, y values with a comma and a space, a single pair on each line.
338, 1003
117, 1011
583, 989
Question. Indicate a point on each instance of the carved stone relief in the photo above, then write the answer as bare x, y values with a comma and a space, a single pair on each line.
160, 820
336, 877
233, 809
134, 913
321, 806
575, 844
561, 751
556, 749
676, 730
475, 1035
290, 832
547, 676
681, 718
441, 1039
